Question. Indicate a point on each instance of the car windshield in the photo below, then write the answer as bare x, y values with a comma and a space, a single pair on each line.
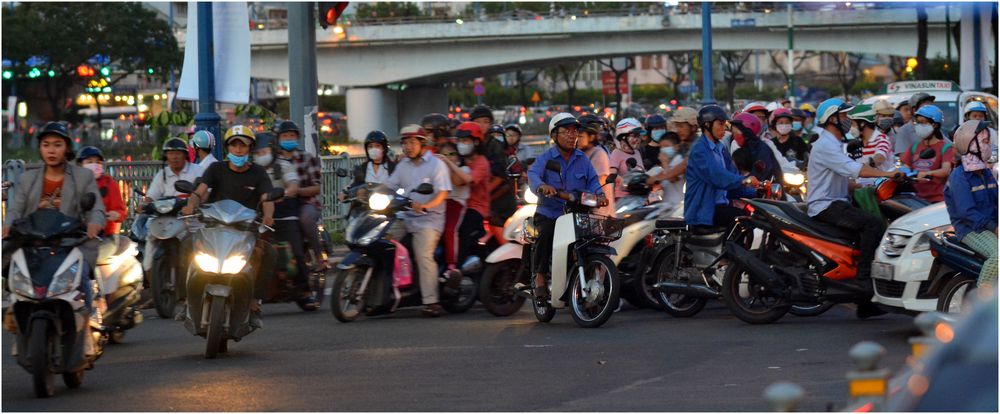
950, 110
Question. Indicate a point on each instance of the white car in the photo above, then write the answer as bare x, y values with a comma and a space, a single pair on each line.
947, 96
903, 260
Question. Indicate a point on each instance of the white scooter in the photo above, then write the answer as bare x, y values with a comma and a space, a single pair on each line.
507, 265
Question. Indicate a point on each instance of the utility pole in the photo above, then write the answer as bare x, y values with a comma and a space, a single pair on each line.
947, 35
302, 70
706, 53
170, 88
791, 56
207, 119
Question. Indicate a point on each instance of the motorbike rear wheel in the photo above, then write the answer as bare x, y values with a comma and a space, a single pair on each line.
496, 288
593, 305
215, 336
73, 379
343, 302
678, 306
955, 294
756, 307
39, 352
164, 296
464, 299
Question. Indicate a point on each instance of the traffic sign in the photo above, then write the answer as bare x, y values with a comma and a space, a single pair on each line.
479, 89
608, 83
535, 98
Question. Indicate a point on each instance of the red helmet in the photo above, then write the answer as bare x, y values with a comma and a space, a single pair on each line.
755, 106
469, 129
780, 113
748, 122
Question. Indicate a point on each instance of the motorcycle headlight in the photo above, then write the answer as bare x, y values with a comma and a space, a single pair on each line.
379, 201
19, 282
588, 200
794, 179
63, 282
208, 263
370, 236
530, 197
233, 264
923, 243
164, 206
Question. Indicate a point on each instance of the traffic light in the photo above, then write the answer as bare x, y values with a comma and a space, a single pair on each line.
84, 71
105, 71
8, 74
329, 12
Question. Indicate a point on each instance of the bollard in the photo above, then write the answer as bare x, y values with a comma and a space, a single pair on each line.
926, 322
784, 396
868, 385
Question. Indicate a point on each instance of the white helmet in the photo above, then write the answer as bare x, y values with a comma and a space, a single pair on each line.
562, 119
974, 106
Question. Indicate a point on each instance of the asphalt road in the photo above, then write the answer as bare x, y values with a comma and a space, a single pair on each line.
639, 361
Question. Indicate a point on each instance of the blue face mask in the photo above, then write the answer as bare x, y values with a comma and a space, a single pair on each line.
238, 161
289, 145
657, 134
669, 152
796, 126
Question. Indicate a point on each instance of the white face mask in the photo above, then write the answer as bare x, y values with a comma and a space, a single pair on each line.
263, 160
923, 130
464, 149
726, 136
854, 132
375, 154
96, 168
784, 129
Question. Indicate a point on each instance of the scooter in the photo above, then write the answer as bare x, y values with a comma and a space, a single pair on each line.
283, 287
162, 251
220, 281
119, 284
366, 281
54, 334
506, 266
954, 273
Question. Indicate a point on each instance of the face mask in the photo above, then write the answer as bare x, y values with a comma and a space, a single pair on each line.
885, 124
465, 149
849, 137
263, 160
289, 145
375, 154
784, 129
854, 132
238, 161
500, 137
923, 130
845, 125
657, 134
96, 168
669, 152
726, 136
796, 126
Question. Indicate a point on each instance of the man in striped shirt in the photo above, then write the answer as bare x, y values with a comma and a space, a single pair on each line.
877, 151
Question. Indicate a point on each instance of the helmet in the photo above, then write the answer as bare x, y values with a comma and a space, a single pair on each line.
627, 126
55, 128
469, 129
481, 111
245, 134
496, 129
897, 119
565, 119
513, 127
808, 108
265, 140
655, 121
771, 107
174, 144
283, 126
966, 133
88, 152
831, 107
798, 113
883, 107
685, 115
748, 121
780, 113
754, 106
591, 123
931, 112
974, 106
919, 97
413, 131
454, 123
203, 139
863, 112
377, 137
437, 124
711, 113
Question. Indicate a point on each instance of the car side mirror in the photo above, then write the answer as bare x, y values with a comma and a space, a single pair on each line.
554, 166
88, 201
611, 178
184, 187
274, 194
928, 153
425, 189
341, 172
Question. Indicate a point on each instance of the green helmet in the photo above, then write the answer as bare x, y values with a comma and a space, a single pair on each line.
863, 112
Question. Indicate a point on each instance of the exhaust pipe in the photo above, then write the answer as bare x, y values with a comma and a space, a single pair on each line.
692, 290
760, 272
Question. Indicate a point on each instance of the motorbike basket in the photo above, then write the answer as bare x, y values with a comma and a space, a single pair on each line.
594, 226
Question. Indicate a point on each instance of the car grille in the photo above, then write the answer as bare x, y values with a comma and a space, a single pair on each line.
889, 288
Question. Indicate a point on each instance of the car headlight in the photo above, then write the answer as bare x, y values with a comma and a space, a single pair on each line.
923, 243
379, 201
794, 179
530, 197
894, 243
370, 236
63, 282
164, 206
19, 282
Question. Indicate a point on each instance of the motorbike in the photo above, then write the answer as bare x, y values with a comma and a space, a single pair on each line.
119, 284
365, 278
162, 251
54, 333
221, 281
955, 271
283, 287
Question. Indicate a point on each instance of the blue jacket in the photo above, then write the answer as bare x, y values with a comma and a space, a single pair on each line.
971, 198
577, 175
710, 181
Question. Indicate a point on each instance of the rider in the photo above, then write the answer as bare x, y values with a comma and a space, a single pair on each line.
577, 174
785, 141
971, 196
711, 176
628, 133
437, 127
808, 126
976, 110
203, 141
375, 170
240, 180
877, 151
175, 152
426, 217
590, 129
656, 124
512, 135
92, 159
758, 109
906, 136
762, 159
927, 131
884, 113
829, 172
309, 170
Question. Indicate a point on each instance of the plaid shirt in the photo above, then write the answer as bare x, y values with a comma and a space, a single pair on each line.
309, 170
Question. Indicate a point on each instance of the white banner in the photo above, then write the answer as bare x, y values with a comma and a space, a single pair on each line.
967, 76
231, 36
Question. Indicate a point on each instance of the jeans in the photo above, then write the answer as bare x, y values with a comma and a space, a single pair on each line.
309, 216
843, 214
541, 251
422, 252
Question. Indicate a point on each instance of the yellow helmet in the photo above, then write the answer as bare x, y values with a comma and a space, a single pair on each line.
242, 132
807, 107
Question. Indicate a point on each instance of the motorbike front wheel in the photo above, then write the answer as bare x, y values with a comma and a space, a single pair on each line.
496, 289
593, 303
215, 337
164, 297
955, 294
73, 379
747, 300
461, 301
39, 352
344, 300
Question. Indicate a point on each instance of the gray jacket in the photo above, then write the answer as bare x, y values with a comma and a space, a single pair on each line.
78, 181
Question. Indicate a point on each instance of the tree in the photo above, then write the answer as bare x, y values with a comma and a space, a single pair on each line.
681, 63
569, 73
921, 42
618, 72
67, 35
781, 65
848, 65
386, 9
897, 64
732, 70
522, 85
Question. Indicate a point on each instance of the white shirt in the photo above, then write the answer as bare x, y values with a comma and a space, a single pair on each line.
673, 192
372, 176
829, 173
164, 187
205, 162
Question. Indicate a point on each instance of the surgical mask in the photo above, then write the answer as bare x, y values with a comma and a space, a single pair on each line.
784, 129
923, 130
465, 149
657, 134
726, 136
796, 126
238, 161
854, 132
96, 168
375, 154
669, 152
885, 124
845, 125
289, 145
849, 136
263, 160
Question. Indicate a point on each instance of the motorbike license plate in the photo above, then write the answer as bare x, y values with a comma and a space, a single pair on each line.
882, 270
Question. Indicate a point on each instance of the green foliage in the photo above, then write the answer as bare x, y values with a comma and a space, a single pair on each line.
870, 86
936, 69
751, 92
386, 9
650, 94
255, 111
580, 97
167, 118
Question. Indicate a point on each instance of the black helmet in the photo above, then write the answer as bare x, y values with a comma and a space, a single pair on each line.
591, 123
265, 140
637, 185
798, 113
655, 121
454, 123
481, 111
897, 119
437, 124
513, 127
174, 144
377, 137
711, 113
287, 126
88, 152
496, 129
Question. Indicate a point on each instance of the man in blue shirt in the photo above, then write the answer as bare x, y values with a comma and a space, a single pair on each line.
712, 178
577, 175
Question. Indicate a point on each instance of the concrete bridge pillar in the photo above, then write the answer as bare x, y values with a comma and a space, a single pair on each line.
389, 110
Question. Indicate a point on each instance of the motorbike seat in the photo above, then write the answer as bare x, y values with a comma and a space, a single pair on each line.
798, 213
111, 247
707, 230
672, 223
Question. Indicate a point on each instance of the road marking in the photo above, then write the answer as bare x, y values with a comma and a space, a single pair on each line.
538, 346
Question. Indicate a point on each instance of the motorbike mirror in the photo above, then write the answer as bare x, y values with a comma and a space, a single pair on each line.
274, 194
927, 154
341, 172
88, 201
138, 191
554, 166
184, 187
425, 189
611, 178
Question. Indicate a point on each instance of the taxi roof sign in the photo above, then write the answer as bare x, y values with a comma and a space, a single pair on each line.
917, 86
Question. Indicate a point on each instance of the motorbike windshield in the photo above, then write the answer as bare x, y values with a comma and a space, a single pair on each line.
228, 212
44, 224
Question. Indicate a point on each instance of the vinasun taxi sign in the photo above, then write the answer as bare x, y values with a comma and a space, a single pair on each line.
915, 86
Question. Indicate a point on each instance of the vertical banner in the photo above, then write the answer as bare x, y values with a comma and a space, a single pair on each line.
987, 50
231, 43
